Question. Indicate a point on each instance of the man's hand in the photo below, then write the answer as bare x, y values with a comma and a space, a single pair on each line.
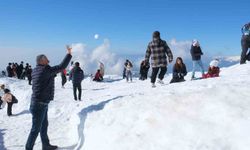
69, 49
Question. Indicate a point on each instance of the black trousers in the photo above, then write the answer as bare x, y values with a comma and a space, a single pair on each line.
245, 45
64, 79
9, 109
155, 71
77, 86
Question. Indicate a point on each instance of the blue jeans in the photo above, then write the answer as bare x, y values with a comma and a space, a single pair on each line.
195, 64
129, 75
39, 113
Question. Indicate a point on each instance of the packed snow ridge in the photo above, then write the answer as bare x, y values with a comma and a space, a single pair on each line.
209, 114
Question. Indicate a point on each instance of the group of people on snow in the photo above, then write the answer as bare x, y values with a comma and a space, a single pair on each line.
18, 71
43, 78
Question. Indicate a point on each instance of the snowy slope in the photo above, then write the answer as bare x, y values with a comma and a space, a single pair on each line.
211, 114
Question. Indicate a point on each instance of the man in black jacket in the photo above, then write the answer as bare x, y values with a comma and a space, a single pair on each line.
245, 44
77, 75
42, 93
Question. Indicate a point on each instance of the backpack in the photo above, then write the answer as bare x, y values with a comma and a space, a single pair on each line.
246, 29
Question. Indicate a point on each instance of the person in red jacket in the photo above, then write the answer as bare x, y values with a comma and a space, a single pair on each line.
213, 70
98, 76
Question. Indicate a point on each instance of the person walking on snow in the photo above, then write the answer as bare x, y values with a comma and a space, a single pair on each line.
63, 76
245, 43
43, 79
196, 53
158, 50
77, 75
128, 68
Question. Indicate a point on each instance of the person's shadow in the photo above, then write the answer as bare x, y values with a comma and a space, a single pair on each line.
1, 139
83, 116
22, 113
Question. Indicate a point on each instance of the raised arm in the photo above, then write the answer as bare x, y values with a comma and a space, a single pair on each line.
58, 68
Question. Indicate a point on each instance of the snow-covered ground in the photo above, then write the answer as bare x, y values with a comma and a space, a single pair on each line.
210, 114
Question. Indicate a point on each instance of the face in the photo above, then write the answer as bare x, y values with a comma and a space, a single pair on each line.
45, 61
178, 61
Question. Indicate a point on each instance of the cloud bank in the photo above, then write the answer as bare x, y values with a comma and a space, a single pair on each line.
89, 59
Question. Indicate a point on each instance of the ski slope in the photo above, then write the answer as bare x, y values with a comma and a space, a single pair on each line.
209, 114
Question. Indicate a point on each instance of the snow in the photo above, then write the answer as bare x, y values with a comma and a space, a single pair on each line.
209, 114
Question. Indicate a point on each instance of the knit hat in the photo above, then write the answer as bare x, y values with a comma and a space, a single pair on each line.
214, 63
156, 34
196, 42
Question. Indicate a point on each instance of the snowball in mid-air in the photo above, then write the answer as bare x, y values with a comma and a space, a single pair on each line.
96, 36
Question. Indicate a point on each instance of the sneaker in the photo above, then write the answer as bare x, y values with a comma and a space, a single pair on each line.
160, 81
153, 85
50, 147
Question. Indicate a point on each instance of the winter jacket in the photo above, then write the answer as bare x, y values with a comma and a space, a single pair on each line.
9, 71
179, 73
158, 49
144, 68
43, 80
76, 75
98, 77
212, 72
196, 52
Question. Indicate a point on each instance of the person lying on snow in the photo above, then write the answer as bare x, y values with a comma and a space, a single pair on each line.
179, 71
213, 70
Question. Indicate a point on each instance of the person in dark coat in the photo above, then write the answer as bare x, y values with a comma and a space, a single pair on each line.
158, 50
63, 76
98, 76
20, 70
179, 71
28, 74
9, 70
245, 43
196, 53
43, 87
124, 68
144, 67
77, 75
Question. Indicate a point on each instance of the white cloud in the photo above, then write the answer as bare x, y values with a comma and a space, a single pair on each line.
89, 59
180, 48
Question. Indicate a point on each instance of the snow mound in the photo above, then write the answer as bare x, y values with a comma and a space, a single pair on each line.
209, 114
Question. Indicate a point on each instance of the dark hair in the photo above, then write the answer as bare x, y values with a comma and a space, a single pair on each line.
77, 64
6, 91
156, 34
178, 66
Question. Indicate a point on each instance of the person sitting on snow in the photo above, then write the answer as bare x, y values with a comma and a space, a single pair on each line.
98, 76
179, 71
213, 70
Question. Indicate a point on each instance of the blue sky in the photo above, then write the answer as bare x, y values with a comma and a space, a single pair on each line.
30, 27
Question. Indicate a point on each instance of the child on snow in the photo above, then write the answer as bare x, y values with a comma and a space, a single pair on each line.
213, 70
179, 71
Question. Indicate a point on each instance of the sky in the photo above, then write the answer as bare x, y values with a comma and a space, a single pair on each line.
29, 28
